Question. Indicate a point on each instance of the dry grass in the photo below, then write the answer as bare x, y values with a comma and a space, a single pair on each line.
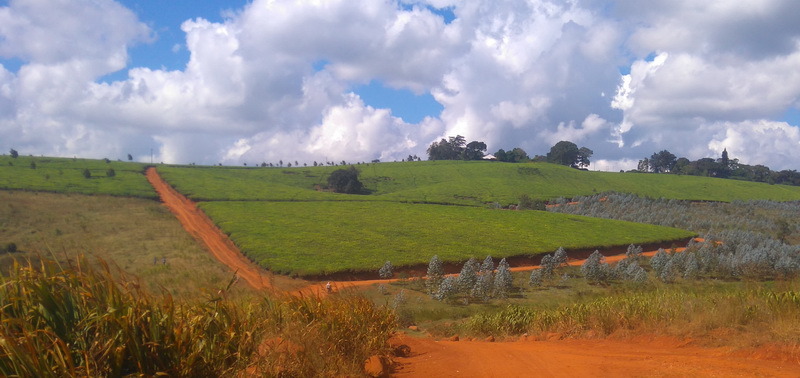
79, 321
137, 235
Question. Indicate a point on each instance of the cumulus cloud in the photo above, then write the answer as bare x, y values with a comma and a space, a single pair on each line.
274, 80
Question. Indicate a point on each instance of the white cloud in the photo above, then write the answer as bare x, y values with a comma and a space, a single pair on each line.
512, 74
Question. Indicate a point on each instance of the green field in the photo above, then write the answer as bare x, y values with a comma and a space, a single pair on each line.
309, 238
458, 182
64, 175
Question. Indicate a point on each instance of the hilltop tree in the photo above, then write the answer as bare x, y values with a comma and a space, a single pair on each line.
568, 153
130, 157
345, 181
14, 153
474, 151
662, 162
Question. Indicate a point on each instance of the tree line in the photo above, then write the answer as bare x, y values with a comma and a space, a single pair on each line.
723, 167
457, 148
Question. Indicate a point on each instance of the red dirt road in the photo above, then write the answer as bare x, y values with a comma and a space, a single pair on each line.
660, 357
653, 357
197, 224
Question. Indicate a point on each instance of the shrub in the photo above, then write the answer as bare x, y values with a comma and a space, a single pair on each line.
385, 271
110, 172
448, 289
345, 181
535, 279
87, 173
435, 274
595, 269
503, 283
11, 247
468, 276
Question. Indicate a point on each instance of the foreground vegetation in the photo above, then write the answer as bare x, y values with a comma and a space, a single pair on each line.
78, 321
310, 238
85, 176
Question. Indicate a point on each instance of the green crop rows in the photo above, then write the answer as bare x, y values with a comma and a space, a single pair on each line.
325, 237
64, 175
455, 182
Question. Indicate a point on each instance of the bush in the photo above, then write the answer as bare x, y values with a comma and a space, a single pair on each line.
11, 247
345, 181
87, 173
385, 271
111, 173
435, 274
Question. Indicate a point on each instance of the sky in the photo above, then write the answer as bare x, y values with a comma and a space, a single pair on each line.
238, 81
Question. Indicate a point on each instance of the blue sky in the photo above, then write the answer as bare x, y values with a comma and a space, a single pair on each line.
363, 79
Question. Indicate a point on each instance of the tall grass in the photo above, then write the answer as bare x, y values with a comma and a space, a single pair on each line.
78, 321
768, 314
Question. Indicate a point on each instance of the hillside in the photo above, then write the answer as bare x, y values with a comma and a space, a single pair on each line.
458, 182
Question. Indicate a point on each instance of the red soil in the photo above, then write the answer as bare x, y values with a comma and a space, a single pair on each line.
557, 358
199, 225
643, 356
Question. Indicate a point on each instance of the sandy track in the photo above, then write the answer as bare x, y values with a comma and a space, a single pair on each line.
197, 224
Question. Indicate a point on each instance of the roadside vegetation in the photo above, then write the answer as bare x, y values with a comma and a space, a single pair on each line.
323, 237
75, 320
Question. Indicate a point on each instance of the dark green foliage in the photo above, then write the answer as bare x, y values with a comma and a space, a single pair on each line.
87, 173
455, 148
514, 156
345, 181
33, 164
528, 203
130, 158
662, 162
14, 153
110, 172
568, 153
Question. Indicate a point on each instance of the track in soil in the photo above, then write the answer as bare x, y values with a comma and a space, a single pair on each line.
558, 358
199, 225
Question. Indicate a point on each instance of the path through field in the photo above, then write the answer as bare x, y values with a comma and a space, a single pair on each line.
557, 358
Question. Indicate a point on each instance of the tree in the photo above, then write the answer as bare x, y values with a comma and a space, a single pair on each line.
130, 157
583, 158
468, 276
447, 149
14, 153
345, 181
644, 165
447, 289
563, 152
662, 162
595, 269
385, 271
568, 153
87, 173
474, 151
435, 274
110, 172
500, 155
503, 281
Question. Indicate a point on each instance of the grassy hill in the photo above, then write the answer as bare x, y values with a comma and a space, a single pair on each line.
457, 182
64, 175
